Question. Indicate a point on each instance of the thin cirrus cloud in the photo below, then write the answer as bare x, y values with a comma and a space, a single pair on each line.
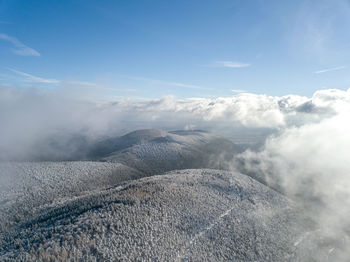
19, 47
81, 83
167, 83
230, 64
92, 85
329, 69
34, 79
71, 83
40, 80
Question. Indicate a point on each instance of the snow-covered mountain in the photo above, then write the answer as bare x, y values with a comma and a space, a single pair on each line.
121, 204
25, 186
189, 215
155, 151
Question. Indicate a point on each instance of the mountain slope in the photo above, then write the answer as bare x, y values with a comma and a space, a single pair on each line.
26, 186
189, 215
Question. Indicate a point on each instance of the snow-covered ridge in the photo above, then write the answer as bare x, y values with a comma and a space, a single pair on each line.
192, 215
26, 186
154, 151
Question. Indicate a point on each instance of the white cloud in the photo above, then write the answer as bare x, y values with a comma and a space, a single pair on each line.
329, 69
309, 162
238, 91
243, 116
225, 115
19, 47
230, 64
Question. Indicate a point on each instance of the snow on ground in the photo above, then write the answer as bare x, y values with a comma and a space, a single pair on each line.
24, 187
189, 215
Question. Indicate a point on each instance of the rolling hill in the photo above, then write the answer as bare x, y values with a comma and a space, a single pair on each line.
189, 215
154, 151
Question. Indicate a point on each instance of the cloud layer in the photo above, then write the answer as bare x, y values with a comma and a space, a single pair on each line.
309, 162
30, 114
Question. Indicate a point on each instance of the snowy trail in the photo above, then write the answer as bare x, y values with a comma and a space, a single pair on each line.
184, 253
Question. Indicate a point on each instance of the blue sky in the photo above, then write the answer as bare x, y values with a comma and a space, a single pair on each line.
147, 49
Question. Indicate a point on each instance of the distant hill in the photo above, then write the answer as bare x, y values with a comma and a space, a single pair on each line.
160, 147
153, 151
